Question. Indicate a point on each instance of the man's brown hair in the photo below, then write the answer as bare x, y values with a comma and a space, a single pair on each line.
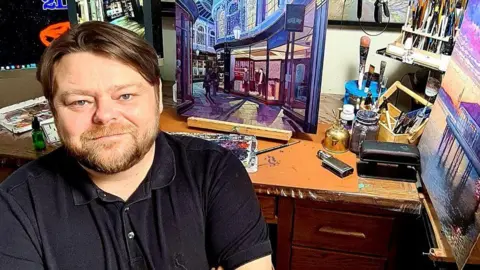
104, 39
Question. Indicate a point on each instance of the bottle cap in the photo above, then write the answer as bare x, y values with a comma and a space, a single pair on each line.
35, 123
348, 108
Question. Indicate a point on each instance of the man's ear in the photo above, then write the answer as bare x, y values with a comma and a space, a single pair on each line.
160, 97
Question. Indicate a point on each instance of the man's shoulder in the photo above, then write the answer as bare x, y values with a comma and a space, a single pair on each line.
41, 169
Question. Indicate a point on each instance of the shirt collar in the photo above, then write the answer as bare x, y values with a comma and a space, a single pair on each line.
160, 175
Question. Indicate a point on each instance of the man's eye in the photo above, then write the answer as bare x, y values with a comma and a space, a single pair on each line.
126, 96
79, 103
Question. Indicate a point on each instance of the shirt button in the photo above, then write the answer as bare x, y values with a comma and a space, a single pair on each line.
130, 235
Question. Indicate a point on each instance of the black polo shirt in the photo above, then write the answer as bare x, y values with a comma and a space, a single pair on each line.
196, 209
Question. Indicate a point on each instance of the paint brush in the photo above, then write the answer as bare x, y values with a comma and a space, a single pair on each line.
371, 71
364, 48
266, 150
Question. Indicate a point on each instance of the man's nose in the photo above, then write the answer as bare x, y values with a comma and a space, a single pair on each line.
105, 111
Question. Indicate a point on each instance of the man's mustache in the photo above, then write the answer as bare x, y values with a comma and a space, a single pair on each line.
104, 131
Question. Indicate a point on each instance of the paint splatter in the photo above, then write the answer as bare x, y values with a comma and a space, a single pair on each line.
361, 186
272, 161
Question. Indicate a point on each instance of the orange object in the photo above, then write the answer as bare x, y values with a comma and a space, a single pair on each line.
52, 32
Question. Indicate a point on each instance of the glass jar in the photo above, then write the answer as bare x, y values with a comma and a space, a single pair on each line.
364, 128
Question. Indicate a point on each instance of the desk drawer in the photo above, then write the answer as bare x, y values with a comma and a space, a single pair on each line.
342, 231
268, 205
312, 259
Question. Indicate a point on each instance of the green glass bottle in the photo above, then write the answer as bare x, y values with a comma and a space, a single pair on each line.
37, 135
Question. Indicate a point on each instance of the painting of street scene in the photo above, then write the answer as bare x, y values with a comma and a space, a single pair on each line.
237, 62
450, 145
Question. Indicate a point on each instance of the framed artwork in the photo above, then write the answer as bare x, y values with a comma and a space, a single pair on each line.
237, 62
450, 145
140, 16
346, 11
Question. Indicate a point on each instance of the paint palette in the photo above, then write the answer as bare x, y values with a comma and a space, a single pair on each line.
242, 146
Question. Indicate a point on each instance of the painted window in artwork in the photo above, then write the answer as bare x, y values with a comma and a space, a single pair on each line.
233, 8
233, 19
201, 35
300, 83
221, 23
271, 6
251, 13
212, 38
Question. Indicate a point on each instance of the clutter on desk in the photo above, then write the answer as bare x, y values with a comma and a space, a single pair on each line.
399, 126
368, 87
337, 137
364, 128
348, 115
37, 135
18, 118
382, 135
244, 147
51, 133
334, 165
391, 161
267, 150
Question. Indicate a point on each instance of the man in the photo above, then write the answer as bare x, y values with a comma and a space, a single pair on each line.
214, 78
207, 83
119, 194
261, 84
246, 80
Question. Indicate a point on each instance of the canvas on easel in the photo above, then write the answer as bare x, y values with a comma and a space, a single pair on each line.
251, 62
450, 145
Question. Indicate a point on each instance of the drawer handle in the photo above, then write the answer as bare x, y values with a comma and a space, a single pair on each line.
331, 230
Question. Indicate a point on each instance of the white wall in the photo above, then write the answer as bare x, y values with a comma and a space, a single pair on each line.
342, 57
169, 49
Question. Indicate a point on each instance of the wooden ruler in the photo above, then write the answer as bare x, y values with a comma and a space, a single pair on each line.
262, 132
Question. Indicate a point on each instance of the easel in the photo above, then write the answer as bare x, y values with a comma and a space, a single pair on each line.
262, 132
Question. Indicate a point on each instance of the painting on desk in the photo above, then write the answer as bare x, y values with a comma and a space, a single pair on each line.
450, 145
237, 62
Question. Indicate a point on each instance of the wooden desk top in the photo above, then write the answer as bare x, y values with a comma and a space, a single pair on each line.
294, 171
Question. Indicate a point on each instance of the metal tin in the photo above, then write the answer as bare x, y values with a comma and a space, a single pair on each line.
337, 139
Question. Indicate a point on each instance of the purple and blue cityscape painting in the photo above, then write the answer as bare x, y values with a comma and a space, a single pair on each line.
450, 145
238, 62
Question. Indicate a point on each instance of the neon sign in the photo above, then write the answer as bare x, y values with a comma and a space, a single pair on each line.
54, 5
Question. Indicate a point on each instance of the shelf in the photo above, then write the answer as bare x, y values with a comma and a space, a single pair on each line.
383, 52
421, 33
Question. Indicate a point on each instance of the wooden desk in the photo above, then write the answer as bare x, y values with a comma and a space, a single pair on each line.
323, 222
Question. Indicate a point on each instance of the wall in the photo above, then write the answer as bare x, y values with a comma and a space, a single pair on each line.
169, 49
17, 86
341, 56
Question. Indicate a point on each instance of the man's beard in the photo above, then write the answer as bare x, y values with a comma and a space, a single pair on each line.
111, 157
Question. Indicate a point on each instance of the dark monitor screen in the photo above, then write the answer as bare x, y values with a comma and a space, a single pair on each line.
26, 28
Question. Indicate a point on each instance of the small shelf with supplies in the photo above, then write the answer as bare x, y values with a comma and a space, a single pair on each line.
428, 35
421, 58
409, 29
